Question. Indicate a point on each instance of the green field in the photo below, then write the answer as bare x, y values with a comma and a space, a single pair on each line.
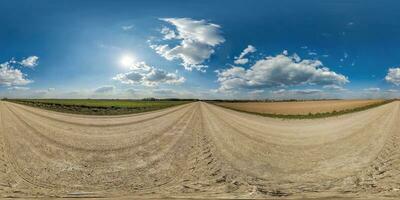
98, 106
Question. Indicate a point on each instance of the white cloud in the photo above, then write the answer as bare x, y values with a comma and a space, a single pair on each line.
392, 91
31, 62
105, 89
198, 39
281, 70
306, 91
299, 92
141, 73
9, 76
372, 89
255, 92
280, 91
127, 28
334, 88
393, 76
241, 60
168, 33
18, 88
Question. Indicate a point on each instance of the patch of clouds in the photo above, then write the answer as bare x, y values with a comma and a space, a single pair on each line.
241, 60
392, 91
280, 91
11, 76
198, 39
334, 88
256, 92
393, 76
311, 53
168, 33
127, 27
18, 88
372, 89
278, 71
306, 91
31, 61
297, 93
105, 89
345, 55
146, 75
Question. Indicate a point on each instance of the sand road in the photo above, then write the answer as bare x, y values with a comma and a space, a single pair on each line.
198, 150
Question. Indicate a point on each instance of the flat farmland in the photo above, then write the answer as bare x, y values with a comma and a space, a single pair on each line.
98, 107
299, 107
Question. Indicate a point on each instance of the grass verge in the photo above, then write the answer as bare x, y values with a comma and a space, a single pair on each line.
311, 115
98, 107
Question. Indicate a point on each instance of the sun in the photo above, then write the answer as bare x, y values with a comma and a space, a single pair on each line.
127, 60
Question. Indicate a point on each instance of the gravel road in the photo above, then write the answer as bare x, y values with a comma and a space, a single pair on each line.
199, 150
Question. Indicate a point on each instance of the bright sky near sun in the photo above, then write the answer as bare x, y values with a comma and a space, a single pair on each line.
199, 49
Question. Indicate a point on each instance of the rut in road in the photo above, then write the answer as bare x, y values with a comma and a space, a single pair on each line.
198, 150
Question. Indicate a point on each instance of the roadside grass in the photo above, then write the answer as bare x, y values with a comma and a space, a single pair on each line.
98, 106
310, 115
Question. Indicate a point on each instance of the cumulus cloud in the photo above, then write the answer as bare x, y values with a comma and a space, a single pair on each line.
10, 76
393, 76
141, 73
373, 89
168, 33
31, 61
198, 39
278, 71
241, 60
105, 89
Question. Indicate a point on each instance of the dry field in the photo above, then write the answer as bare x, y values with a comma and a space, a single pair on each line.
299, 108
199, 150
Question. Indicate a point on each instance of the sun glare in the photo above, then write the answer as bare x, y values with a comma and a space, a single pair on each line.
127, 60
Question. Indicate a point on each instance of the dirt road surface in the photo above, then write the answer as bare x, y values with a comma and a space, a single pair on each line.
199, 150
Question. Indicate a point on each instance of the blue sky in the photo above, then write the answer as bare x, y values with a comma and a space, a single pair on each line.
136, 49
